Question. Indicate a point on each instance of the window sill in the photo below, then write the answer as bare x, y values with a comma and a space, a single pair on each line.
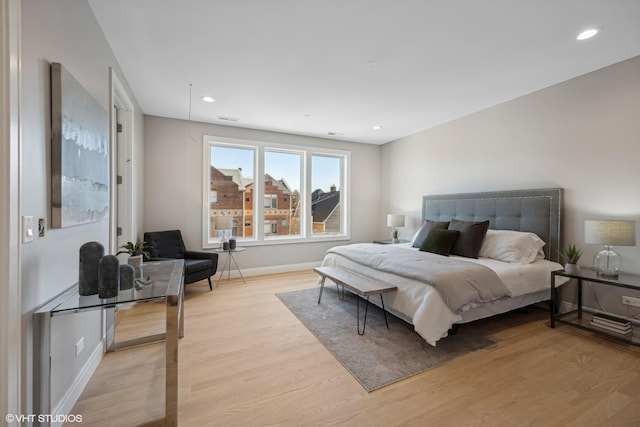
283, 241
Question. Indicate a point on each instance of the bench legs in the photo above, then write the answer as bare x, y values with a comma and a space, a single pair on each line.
366, 308
341, 297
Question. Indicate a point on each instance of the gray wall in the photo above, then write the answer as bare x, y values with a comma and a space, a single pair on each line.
582, 135
173, 188
63, 31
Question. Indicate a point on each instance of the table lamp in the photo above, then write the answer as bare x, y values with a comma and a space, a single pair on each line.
223, 223
395, 221
608, 263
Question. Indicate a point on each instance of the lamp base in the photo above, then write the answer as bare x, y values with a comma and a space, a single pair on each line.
607, 274
607, 263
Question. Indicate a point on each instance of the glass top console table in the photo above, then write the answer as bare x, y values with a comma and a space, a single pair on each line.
162, 280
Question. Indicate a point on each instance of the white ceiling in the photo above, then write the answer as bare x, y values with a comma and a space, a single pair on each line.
304, 66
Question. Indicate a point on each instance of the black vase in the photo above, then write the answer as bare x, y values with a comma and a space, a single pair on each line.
90, 255
127, 276
108, 277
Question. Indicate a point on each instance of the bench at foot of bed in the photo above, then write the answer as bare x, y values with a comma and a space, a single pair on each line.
358, 284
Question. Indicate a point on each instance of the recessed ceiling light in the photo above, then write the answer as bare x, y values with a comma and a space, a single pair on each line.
208, 99
587, 34
377, 127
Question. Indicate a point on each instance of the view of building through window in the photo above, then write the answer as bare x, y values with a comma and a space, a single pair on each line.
233, 190
325, 199
230, 174
282, 193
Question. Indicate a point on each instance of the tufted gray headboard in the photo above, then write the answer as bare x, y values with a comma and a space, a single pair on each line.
536, 211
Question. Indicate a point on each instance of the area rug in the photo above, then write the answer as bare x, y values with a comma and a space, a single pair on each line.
381, 356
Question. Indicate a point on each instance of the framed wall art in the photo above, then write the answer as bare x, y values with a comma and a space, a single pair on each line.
79, 153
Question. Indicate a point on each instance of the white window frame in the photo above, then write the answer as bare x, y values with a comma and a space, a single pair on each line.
259, 148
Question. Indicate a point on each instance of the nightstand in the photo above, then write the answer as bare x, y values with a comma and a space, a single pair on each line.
581, 319
389, 242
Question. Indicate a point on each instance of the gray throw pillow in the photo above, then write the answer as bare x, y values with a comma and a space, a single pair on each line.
426, 228
440, 241
471, 236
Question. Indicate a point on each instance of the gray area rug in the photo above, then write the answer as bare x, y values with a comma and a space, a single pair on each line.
381, 356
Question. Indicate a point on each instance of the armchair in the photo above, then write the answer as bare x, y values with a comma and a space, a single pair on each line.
198, 265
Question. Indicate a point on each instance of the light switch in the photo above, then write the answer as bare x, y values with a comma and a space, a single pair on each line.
27, 229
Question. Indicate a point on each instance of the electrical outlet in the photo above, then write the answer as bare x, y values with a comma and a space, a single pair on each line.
79, 346
635, 302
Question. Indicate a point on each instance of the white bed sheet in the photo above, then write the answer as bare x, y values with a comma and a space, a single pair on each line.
421, 305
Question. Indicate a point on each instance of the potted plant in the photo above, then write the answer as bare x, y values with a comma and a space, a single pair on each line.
571, 256
395, 235
137, 251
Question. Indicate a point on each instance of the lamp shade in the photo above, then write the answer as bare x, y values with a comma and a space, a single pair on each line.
224, 222
395, 220
611, 233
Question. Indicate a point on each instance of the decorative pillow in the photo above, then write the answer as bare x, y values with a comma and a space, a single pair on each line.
423, 232
512, 246
471, 236
440, 241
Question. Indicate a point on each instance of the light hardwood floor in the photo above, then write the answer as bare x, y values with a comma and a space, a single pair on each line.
245, 360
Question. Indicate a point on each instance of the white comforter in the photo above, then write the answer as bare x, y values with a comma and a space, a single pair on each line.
420, 304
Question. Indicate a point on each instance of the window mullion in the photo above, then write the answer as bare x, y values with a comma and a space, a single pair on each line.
308, 222
258, 203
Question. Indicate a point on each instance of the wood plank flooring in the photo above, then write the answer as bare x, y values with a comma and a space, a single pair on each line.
245, 360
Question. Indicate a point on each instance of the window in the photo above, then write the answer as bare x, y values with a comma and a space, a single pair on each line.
230, 170
326, 200
300, 194
270, 227
270, 201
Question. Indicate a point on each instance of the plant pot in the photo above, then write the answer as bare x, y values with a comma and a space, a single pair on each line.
572, 268
135, 261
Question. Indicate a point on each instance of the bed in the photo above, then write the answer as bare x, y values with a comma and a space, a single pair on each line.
418, 302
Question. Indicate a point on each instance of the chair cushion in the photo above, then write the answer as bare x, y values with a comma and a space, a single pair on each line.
195, 265
165, 244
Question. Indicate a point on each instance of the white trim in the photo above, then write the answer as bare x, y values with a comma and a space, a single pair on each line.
119, 98
10, 287
274, 269
80, 382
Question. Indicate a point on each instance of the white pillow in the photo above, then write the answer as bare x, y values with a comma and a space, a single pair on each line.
512, 246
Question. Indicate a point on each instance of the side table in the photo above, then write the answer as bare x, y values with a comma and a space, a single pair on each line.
577, 317
227, 264
389, 242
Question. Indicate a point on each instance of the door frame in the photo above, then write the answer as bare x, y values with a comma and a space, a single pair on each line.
10, 280
118, 99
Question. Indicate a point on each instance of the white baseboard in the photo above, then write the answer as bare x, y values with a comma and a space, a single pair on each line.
257, 271
567, 306
73, 393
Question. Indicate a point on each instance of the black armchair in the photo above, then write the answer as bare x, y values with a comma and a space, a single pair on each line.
169, 244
